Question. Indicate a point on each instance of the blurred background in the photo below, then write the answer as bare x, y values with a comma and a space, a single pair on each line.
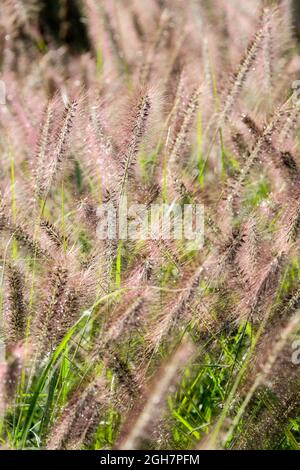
62, 22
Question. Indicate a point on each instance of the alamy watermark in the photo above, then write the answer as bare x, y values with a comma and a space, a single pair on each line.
155, 222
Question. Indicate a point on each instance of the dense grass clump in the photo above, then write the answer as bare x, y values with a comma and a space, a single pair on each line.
149, 343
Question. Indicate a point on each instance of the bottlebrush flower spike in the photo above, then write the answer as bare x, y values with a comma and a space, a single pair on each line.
245, 66
128, 156
44, 144
188, 116
60, 143
80, 418
142, 421
16, 307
